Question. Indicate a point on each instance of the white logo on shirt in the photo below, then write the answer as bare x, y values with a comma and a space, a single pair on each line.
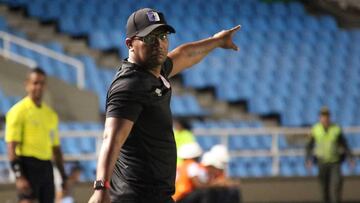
165, 82
158, 92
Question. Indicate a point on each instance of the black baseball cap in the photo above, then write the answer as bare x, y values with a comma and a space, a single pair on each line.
324, 111
143, 21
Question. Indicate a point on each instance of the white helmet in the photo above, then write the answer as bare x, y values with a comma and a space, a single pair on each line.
221, 153
190, 151
209, 159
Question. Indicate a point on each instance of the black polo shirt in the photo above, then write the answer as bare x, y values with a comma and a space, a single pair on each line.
147, 161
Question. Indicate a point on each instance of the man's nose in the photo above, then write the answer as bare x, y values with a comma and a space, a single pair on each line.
157, 41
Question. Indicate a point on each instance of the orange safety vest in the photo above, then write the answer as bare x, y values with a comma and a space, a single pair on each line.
183, 184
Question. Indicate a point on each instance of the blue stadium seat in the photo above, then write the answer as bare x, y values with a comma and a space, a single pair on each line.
3, 23
285, 53
36, 9
89, 172
226, 92
237, 168
67, 24
99, 40
116, 38
2, 147
279, 9
51, 11
296, 9
206, 142
192, 106
236, 143
55, 46
328, 23
70, 145
259, 105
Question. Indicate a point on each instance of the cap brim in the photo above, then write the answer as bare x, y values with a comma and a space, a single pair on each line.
151, 28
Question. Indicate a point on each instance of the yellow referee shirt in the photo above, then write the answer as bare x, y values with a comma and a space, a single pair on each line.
35, 128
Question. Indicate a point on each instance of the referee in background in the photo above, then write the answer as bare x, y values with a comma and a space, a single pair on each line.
33, 140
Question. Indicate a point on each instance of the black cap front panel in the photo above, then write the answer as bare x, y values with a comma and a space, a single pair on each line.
143, 21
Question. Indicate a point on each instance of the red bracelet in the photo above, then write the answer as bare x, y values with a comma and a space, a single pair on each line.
107, 184
101, 184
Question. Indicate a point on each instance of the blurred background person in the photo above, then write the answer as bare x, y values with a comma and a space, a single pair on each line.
67, 196
330, 150
33, 141
215, 162
182, 134
189, 173
220, 189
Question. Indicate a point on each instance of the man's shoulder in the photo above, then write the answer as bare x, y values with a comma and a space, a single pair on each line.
336, 126
19, 106
316, 125
49, 110
131, 79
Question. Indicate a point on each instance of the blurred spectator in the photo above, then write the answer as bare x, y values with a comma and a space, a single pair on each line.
67, 196
188, 172
215, 162
205, 182
182, 135
220, 189
330, 149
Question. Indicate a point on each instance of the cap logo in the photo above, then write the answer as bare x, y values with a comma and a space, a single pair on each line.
153, 16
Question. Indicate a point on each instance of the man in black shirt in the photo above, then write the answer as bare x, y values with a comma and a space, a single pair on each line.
137, 160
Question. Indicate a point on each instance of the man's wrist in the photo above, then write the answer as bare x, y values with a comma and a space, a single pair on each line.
64, 178
101, 185
16, 167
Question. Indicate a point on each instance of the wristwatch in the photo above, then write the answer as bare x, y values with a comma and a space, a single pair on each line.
101, 184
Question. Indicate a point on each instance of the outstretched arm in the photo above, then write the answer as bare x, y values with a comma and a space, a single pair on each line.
191, 53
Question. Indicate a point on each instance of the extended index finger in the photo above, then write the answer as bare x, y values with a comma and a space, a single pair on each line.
235, 28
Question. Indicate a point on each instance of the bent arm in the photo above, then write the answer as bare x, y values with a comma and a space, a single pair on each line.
115, 134
191, 53
309, 147
11, 146
342, 142
14, 160
59, 161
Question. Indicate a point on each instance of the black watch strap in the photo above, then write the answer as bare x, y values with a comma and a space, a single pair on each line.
101, 185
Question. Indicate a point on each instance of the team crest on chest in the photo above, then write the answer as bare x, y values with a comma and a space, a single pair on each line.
158, 92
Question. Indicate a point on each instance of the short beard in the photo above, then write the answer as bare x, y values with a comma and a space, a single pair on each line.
153, 64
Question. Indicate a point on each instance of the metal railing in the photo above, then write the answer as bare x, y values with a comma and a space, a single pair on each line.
298, 134
274, 152
6, 52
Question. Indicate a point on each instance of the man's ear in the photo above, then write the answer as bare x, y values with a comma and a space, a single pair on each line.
128, 42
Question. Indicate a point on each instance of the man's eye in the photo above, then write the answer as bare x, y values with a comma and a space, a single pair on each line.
163, 36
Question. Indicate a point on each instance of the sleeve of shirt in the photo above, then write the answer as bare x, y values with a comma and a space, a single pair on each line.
125, 101
310, 145
55, 131
343, 142
168, 66
14, 125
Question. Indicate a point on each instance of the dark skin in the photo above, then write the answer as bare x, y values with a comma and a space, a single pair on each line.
151, 57
35, 87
